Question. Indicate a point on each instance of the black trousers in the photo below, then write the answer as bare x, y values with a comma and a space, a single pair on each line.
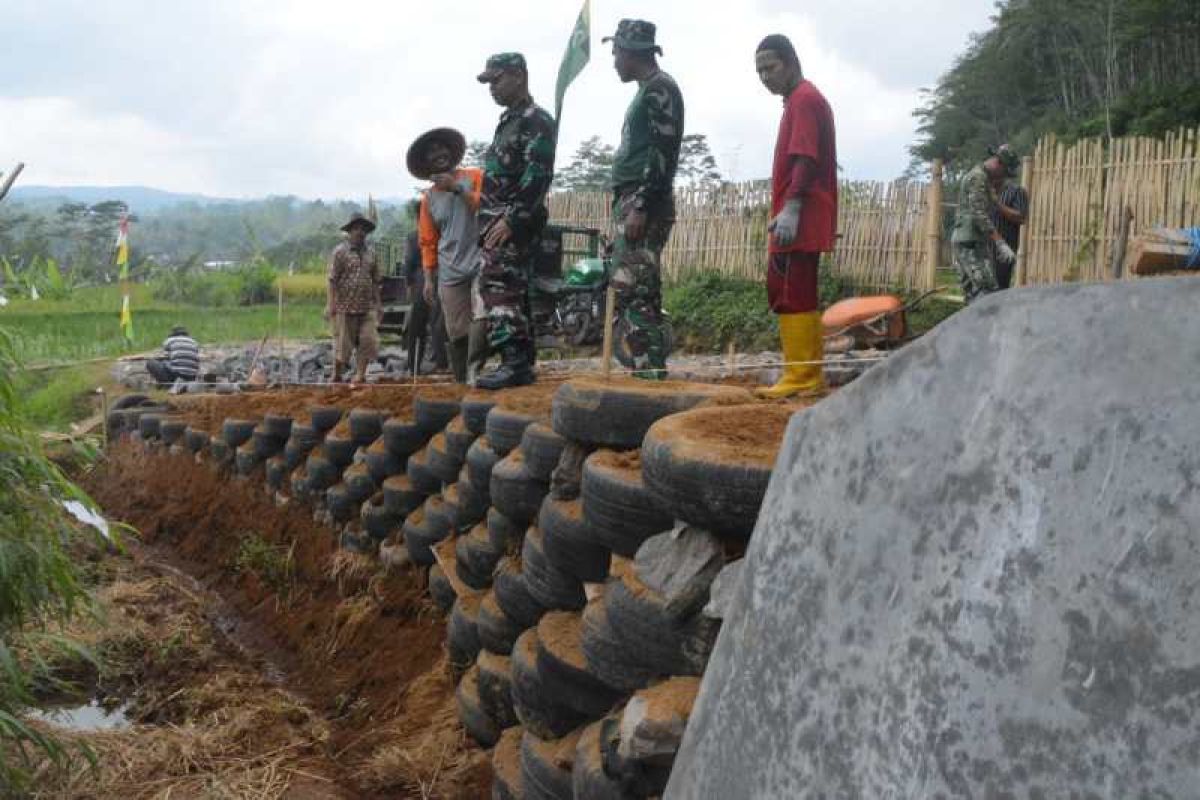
426, 329
161, 371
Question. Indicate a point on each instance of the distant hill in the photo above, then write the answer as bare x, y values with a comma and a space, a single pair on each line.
142, 199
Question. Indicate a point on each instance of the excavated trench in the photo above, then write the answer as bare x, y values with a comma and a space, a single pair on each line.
400, 639
363, 651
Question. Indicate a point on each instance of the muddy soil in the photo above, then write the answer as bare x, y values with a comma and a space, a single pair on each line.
361, 648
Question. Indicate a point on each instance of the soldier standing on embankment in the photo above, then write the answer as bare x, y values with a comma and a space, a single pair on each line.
353, 299
518, 170
643, 178
804, 198
978, 245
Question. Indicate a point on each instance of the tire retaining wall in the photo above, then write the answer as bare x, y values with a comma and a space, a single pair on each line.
580, 615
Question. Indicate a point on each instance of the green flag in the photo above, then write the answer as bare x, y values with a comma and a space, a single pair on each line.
579, 51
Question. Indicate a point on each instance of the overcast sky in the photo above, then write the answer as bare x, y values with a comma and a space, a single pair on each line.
244, 98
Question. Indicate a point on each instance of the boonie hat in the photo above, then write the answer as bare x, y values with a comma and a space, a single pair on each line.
634, 34
358, 219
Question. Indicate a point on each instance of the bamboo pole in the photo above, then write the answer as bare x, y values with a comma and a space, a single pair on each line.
610, 299
933, 235
1027, 185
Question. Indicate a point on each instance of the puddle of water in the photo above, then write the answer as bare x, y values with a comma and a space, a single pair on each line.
88, 717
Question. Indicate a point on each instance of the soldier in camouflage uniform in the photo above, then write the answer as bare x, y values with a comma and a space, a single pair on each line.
518, 169
643, 175
976, 242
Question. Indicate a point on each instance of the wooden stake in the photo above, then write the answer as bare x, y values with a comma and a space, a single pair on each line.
1118, 256
610, 299
104, 411
933, 255
1023, 246
281, 324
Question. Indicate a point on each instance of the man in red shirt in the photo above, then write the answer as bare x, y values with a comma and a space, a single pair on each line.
803, 214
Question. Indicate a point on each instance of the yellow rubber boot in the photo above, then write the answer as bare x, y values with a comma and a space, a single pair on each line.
800, 336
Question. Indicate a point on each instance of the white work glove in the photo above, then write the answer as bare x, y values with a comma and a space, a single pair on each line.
786, 222
1004, 253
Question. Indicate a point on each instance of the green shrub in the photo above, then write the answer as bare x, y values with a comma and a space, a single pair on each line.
40, 584
709, 310
247, 284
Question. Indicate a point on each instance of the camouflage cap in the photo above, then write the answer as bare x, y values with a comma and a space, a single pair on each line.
500, 62
1007, 158
634, 34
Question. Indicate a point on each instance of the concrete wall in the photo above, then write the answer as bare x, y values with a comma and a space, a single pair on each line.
976, 570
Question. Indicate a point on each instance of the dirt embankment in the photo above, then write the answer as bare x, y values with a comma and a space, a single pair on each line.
363, 649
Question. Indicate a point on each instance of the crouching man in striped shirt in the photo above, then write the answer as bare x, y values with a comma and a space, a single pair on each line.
180, 361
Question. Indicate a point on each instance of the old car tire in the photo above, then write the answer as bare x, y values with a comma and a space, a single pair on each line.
618, 413
462, 633
607, 656
440, 462
505, 534
564, 670
481, 727
324, 418
400, 497
420, 476
403, 437
514, 491
475, 408
506, 766
540, 713
702, 478
366, 425
568, 543
381, 463
432, 413
497, 631
548, 585
542, 448
440, 589
512, 594
620, 511
458, 439
541, 775
481, 459
505, 428
476, 558
495, 687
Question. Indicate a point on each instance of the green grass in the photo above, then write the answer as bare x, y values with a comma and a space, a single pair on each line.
53, 335
53, 399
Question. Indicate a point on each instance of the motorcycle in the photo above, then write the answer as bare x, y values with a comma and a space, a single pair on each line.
568, 307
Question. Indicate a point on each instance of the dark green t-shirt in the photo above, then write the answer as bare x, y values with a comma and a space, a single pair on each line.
645, 162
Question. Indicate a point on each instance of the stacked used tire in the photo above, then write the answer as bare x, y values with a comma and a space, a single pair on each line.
616, 599
427, 519
507, 476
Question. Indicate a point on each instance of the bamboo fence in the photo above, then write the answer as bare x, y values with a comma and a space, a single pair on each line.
882, 242
1080, 194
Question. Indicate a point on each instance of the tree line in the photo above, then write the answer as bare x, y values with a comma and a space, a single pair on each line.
1074, 68
78, 239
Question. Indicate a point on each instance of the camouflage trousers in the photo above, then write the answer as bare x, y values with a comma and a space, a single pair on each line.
637, 284
976, 269
504, 289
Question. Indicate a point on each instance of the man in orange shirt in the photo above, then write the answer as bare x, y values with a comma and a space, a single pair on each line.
449, 234
804, 198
